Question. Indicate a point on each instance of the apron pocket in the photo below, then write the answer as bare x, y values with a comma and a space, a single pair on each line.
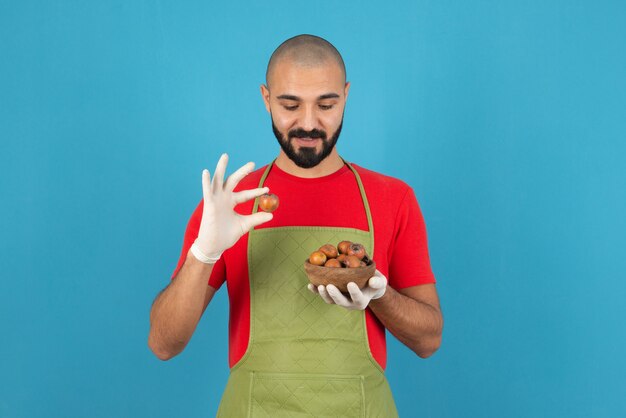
306, 395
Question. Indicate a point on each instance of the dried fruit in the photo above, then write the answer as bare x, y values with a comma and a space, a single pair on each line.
333, 262
352, 261
343, 247
328, 256
317, 258
357, 250
329, 250
268, 202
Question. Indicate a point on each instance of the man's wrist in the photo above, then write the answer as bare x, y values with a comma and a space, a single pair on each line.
382, 299
384, 290
198, 267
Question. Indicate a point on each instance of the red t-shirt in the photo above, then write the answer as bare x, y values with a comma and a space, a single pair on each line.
400, 246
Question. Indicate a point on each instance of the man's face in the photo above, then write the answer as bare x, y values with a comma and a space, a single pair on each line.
306, 107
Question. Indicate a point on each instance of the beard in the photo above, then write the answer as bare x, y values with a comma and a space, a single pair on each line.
306, 157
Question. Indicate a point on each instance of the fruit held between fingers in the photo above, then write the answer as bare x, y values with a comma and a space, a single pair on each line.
268, 202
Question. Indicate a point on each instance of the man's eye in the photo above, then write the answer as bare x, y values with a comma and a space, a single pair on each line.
291, 107
326, 107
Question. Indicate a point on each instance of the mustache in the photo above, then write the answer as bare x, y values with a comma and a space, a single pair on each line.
301, 133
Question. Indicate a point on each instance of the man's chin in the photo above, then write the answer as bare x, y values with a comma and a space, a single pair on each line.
306, 162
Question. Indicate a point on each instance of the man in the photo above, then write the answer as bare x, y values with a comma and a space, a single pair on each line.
295, 349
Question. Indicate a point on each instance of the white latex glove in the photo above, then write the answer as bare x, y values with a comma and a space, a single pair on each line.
221, 227
376, 287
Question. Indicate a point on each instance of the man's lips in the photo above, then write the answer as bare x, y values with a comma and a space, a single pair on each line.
306, 141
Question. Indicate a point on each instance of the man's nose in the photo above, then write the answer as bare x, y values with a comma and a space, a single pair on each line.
309, 119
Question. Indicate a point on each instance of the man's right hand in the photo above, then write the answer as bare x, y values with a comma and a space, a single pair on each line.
221, 227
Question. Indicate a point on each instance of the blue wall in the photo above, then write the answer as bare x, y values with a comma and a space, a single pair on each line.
507, 118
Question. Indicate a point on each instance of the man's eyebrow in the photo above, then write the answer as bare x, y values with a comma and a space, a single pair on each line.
297, 99
288, 97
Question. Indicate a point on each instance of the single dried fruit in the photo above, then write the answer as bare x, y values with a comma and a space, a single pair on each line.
357, 250
317, 258
268, 202
333, 262
329, 250
343, 247
352, 261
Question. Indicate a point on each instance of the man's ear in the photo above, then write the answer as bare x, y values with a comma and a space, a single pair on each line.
346, 89
265, 93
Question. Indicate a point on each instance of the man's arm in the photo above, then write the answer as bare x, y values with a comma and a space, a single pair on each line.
177, 310
413, 316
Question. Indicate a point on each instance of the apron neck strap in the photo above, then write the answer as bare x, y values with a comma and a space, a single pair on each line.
368, 213
255, 208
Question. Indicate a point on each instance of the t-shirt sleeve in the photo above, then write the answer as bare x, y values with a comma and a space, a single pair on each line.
409, 263
218, 274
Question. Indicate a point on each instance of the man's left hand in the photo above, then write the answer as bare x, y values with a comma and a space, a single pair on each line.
360, 298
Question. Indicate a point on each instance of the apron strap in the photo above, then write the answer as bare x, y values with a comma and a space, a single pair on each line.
368, 213
263, 177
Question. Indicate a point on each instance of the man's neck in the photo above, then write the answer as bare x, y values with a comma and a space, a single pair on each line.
328, 166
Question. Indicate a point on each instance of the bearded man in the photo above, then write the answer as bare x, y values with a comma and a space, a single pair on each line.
296, 349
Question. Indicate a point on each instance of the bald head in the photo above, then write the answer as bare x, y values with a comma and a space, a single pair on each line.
308, 51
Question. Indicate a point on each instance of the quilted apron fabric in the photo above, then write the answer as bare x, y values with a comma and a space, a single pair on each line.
305, 358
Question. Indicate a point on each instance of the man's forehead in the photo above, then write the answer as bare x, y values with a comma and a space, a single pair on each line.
290, 78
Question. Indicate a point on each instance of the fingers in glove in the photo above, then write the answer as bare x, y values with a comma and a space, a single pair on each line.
355, 293
245, 195
337, 296
377, 282
218, 176
323, 292
312, 288
376, 286
235, 178
250, 221
206, 184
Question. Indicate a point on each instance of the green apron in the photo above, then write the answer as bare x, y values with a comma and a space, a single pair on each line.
305, 358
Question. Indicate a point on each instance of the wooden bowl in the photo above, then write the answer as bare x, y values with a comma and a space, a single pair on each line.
339, 276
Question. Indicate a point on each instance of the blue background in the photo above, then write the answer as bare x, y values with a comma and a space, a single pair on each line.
507, 118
